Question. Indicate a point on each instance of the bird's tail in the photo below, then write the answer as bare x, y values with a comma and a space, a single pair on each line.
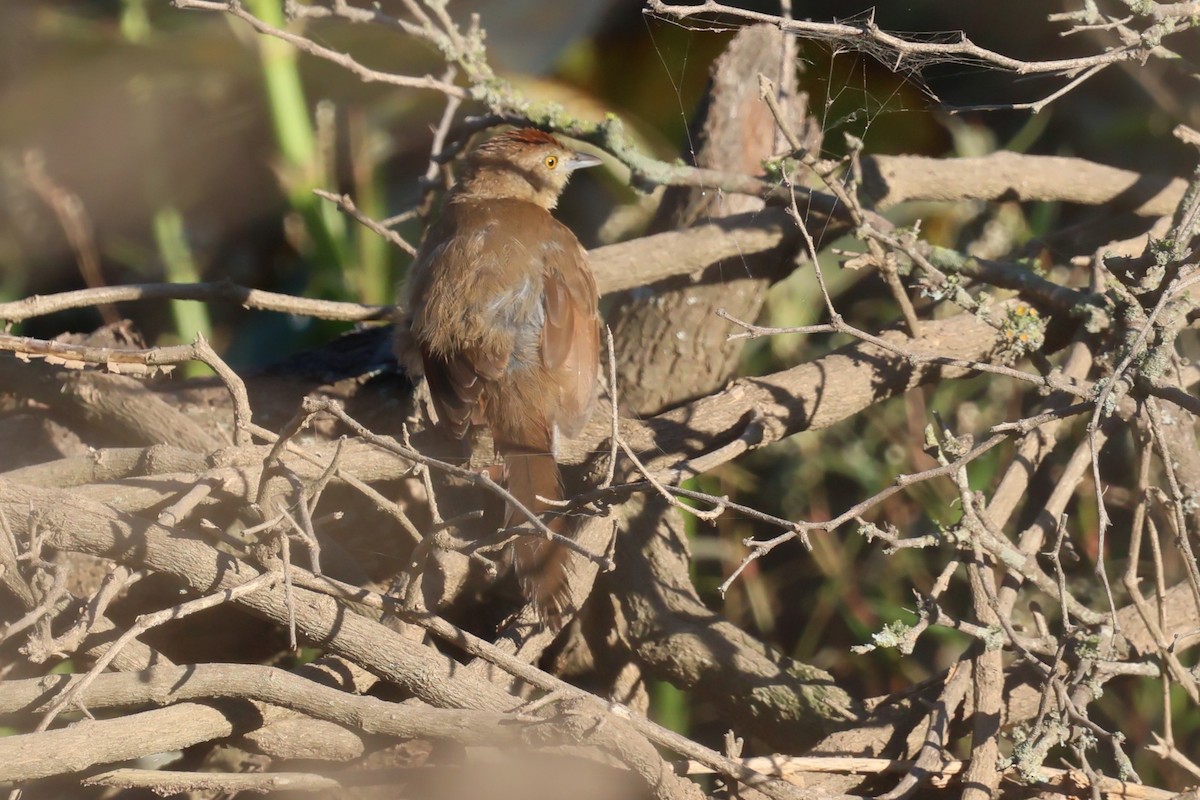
540, 564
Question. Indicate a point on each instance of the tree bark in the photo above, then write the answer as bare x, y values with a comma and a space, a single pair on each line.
671, 346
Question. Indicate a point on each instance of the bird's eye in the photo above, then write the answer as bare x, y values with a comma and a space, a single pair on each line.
551, 162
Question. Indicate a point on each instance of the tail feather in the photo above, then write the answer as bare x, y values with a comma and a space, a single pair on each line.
540, 564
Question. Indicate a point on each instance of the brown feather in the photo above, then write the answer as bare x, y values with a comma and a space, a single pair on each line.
503, 309
454, 398
540, 564
576, 360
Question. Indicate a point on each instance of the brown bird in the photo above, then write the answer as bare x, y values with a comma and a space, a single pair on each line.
502, 319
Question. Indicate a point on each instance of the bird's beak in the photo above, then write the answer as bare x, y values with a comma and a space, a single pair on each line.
581, 161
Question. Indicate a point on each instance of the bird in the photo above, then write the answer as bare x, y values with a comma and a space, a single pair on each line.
501, 316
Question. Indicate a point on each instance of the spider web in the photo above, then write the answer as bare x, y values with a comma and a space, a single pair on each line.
848, 91
911, 64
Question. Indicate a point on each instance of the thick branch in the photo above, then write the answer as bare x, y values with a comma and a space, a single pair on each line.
94, 528
170, 685
167, 782
752, 412
759, 690
891, 180
90, 742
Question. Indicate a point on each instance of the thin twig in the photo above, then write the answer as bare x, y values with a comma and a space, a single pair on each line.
144, 623
542, 680
478, 478
614, 436
226, 291
346, 205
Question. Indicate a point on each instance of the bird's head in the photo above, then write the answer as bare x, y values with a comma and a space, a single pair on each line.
522, 164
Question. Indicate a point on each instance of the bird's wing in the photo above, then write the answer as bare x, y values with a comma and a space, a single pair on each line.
456, 390
462, 350
571, 333
482, 316
513, 292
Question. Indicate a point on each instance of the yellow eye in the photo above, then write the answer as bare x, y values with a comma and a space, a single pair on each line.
551, 162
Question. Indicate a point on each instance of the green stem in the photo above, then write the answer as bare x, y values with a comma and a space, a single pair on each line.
297, 140
190, 318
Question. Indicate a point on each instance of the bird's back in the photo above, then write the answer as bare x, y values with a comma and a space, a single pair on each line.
504, 303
